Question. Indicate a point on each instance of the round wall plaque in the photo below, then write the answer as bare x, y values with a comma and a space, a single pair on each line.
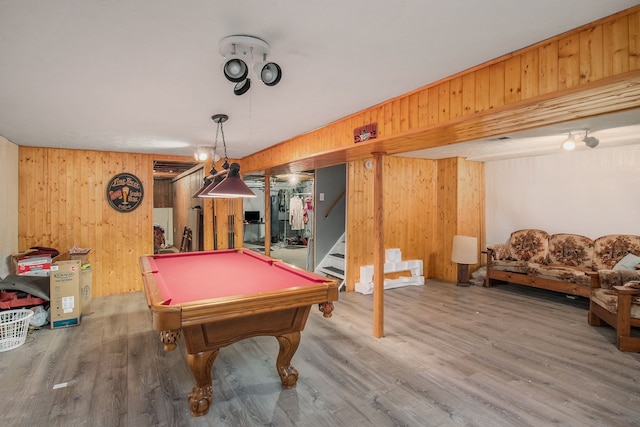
124, 192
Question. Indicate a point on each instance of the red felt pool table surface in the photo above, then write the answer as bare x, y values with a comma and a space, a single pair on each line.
196, 276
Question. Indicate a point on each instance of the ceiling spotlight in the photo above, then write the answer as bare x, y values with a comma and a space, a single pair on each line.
569, 144
590, 141
242, 87
236, 70
271, 74
241, 50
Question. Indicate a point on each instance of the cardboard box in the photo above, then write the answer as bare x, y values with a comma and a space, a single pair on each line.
86, 278
82, 256
65, 294
27, 264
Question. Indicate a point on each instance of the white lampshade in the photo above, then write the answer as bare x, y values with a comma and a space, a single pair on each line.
465, 250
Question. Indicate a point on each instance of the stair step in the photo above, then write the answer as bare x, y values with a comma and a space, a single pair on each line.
333, 271
337, 255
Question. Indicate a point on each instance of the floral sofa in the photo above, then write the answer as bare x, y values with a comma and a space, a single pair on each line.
559, 262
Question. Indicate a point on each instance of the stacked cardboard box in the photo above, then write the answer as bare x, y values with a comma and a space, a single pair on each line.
65, 300
86, 276
30, 264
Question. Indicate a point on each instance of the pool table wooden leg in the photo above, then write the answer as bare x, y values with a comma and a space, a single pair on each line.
201, 394
288, 346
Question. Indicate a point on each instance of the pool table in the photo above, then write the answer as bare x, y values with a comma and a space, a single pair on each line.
216, 298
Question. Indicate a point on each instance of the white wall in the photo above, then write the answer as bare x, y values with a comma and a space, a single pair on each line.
9, 205
592, 193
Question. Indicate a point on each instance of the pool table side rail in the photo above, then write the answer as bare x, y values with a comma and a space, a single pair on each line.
201, 312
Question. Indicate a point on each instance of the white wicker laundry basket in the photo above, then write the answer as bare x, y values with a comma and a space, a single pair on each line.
14, 325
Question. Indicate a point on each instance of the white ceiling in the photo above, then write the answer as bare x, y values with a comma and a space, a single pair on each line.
145, 75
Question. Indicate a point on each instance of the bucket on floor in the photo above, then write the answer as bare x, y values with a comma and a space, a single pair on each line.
14, 325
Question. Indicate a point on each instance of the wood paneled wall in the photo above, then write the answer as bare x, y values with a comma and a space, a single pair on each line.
410, 200
162, 193
426, 203
581, 59
62, 203
460, 210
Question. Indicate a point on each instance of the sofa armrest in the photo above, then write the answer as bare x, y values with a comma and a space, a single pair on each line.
497, 251
632, 287
595, 279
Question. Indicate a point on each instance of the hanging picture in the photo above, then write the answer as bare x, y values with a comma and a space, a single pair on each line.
124, 192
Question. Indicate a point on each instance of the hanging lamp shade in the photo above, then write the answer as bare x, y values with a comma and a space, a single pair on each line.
232, 186
205, 184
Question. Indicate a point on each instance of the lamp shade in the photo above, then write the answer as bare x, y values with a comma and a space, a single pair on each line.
232, 186
465, 250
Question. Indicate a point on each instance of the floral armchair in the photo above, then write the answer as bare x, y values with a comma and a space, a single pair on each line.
615, 300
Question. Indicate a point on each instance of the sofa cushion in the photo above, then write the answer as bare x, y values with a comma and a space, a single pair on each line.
529, 245
575, 275
609, 250
571, 250
510, 265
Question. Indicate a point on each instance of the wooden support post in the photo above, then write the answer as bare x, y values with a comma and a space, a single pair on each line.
267, 214
378, 247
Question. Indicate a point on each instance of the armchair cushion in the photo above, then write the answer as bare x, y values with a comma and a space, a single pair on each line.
610, 278
608, 299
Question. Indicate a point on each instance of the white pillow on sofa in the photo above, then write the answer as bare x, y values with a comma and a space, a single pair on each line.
629, 262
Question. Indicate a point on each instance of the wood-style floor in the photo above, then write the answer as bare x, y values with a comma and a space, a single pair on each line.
504, 356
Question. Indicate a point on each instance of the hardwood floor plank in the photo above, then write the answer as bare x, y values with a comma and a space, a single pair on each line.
503, 356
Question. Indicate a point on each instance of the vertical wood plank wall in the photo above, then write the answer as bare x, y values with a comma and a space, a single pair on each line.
427, 202
410, 199
603, 49
62, 203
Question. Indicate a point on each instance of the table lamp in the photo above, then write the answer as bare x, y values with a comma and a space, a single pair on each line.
464, 253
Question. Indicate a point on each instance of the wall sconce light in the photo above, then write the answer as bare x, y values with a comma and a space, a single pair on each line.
464, 253
241, 50
234, 186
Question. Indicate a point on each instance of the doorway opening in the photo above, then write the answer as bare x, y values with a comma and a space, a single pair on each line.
176, 215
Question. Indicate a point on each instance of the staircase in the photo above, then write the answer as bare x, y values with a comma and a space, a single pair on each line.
333, 264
